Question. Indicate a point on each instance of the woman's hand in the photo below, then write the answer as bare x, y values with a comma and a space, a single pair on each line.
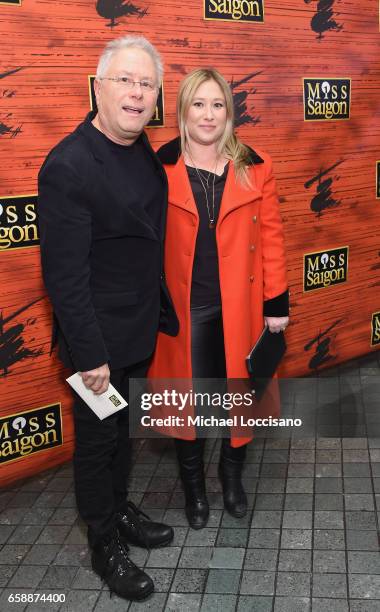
276, 324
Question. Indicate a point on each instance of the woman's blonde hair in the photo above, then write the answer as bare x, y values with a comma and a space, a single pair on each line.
229, 145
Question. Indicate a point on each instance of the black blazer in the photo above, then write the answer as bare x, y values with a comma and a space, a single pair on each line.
102, 262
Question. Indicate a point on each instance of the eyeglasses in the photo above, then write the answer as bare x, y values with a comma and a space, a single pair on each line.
128, 83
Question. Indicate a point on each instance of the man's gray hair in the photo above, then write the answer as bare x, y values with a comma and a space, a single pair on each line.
126, 42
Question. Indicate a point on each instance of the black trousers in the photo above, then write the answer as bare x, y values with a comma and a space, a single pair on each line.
207, 342
102, 457
208, 361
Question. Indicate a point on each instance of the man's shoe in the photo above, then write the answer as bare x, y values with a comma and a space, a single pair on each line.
136, 528
111, 562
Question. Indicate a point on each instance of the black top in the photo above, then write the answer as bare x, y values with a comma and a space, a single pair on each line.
205, 289
135, 176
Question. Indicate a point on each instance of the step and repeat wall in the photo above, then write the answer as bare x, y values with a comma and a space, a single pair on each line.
305, 76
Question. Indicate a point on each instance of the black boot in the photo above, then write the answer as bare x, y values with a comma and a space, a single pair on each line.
230, 471
190, 459
111, 562
136, 528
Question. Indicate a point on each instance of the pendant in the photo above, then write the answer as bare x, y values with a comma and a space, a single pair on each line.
211, 224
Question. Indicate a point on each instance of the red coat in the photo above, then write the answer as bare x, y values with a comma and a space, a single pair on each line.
252, 267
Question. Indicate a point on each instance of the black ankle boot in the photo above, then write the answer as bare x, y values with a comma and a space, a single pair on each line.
111, 562
230, 471
136, 528
190, 459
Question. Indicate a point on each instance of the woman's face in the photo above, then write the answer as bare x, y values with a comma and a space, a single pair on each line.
207, 115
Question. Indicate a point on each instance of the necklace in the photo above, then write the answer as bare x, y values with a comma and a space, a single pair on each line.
203, 176
211, 215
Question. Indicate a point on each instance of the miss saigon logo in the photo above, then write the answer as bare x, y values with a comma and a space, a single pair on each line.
325, 268
18, 222
29, 432
375, 329
234, 10
326, 99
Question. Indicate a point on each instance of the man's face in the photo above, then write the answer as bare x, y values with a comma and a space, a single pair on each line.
123, 113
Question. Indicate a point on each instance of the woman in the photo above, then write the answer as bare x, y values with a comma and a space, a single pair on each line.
225, 267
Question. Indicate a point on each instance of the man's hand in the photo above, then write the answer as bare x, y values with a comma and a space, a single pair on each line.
97, 380
277, 324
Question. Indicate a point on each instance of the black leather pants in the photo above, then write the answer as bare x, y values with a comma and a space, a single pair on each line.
208, 361
207, 342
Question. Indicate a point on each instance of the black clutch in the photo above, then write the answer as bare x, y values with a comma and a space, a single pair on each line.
264, 358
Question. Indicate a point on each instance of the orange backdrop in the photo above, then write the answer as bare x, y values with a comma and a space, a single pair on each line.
326, 170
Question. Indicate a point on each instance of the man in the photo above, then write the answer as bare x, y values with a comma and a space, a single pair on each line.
102, 206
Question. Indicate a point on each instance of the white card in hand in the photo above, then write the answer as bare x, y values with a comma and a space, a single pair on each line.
103, 405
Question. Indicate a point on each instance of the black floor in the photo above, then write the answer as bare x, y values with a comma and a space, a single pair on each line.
309, 542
